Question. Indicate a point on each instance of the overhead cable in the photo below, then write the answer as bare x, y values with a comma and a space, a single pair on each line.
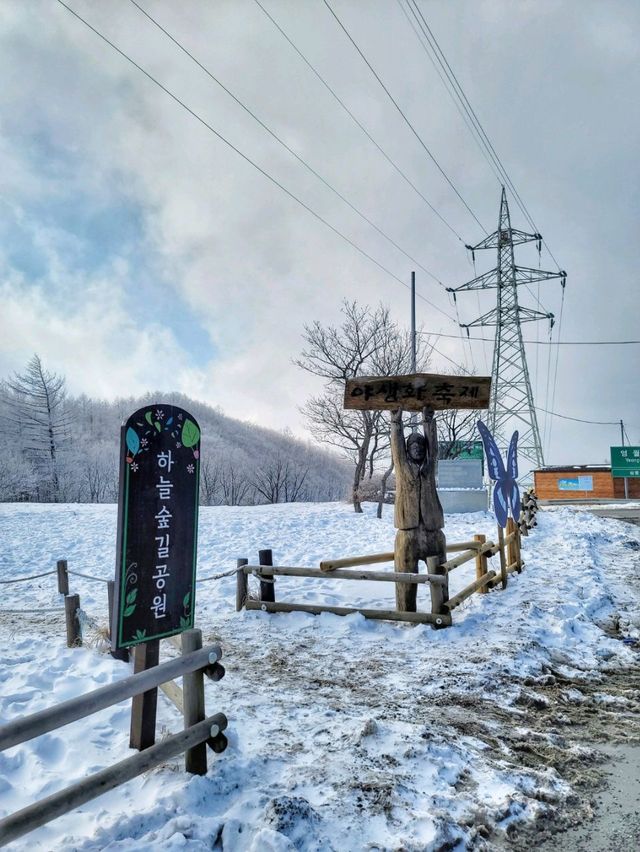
419, 33
359, 124
547, 342
457, 92
404, 116
245, 157
579, 419
278, 139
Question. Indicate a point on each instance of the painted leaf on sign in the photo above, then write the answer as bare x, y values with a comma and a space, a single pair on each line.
133, 441
190, 434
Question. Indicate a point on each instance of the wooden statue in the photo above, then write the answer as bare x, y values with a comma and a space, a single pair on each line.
419, 518
418, 513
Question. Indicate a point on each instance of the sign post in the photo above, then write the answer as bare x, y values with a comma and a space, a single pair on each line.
625, 462
417, 391
154, 592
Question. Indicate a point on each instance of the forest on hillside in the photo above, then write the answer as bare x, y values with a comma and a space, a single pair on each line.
60, 448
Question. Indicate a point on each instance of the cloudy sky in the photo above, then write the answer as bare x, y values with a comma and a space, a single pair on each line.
138, 251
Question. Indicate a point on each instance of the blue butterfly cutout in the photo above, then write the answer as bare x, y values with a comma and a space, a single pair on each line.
506, 492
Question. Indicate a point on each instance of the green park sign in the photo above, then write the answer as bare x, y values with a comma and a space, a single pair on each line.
625, 461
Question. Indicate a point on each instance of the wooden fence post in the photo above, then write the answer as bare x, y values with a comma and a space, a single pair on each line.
439, 594
123, 653
63, 576
503, 558
481, 562
513, 556
195, 758
242, 585
143, 707
267, 588
519, 548
74, 631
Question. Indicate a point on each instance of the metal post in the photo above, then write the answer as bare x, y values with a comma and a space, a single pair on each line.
413, 322
413, 419
626, 484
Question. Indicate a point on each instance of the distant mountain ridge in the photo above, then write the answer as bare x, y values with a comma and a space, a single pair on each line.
241, 463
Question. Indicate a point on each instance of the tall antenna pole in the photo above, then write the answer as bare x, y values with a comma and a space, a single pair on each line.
511, 404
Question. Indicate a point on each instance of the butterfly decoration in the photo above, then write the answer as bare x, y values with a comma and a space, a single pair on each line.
506, 493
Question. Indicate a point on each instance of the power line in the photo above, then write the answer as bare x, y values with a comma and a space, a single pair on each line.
247, 158
456, 91
579, 419
358, 123
262, 171
403, 114
419, 33
547, 342
275, 136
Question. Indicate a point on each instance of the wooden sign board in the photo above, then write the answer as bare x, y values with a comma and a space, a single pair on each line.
415, 391
157, 525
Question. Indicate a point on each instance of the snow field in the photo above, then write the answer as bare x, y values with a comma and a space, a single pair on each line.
344, 733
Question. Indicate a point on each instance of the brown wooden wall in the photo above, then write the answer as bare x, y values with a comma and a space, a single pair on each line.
604, 485
633, 486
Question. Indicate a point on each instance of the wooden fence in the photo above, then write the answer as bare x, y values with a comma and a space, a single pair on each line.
199, 731
507, 547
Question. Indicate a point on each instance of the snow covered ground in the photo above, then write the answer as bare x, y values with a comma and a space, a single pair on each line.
345, 734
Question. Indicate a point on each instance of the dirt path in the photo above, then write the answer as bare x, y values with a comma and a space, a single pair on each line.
631, 516
589, 732
615, 824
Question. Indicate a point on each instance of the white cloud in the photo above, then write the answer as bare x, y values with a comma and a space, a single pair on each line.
250, 262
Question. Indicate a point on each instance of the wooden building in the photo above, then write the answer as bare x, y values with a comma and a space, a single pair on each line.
582, 482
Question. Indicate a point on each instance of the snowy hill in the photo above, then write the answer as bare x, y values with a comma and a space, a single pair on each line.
242, 462
345, 734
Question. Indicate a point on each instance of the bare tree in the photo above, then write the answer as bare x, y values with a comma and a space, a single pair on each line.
210, 475
456, 428
279, 480
235, 486
37, 409
367, 343
100, 473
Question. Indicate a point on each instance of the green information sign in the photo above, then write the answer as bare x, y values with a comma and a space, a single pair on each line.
460, 450
625, 461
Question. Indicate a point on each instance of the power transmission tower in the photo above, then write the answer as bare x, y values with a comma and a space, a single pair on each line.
511, 395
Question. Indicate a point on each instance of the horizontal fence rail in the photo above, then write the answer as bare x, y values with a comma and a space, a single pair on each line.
28, 727
199, 731
437, 578
379, 576
440, 620
20, 823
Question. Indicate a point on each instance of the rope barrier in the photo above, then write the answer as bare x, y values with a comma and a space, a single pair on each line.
86, 620
33, 611
220, 576
263, 579
87, 576
24, 579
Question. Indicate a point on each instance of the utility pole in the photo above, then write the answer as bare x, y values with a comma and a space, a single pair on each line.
413, 322
413, 420
511, 395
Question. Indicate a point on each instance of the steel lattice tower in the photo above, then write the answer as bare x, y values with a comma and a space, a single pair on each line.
511, 396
